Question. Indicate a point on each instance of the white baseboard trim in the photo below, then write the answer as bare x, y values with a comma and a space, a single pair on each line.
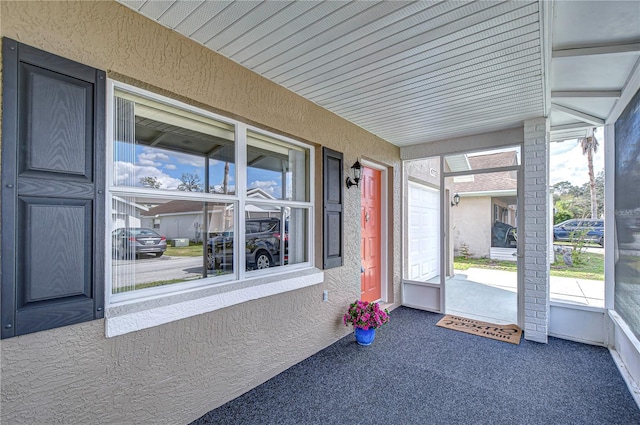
626, 354
634, 389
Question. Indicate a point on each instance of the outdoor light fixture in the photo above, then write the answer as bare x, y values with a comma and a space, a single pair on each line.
456, 200
357, 168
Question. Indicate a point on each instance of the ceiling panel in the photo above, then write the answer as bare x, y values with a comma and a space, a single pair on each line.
177, 12
155, 9
589, 23
592, 106
414, 72
598, 72
278, 25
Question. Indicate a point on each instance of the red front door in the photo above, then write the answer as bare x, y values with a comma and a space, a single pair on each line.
370, 234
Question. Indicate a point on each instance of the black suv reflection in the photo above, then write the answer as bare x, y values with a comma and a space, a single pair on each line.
262, 245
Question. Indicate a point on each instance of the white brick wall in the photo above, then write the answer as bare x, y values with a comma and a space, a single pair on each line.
536, 200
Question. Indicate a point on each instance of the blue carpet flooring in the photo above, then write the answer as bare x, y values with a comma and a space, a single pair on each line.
418, 373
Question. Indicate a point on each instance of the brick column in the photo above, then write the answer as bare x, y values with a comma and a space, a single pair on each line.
536, 236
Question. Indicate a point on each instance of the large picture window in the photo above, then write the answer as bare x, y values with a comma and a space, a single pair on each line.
180, 192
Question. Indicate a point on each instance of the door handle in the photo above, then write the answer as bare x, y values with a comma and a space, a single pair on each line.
366, 216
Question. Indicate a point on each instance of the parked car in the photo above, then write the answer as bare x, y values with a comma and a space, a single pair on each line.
131, 242
503, 235
262, 245
570, 229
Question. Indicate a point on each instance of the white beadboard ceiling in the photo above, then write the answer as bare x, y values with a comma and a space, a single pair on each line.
409, 72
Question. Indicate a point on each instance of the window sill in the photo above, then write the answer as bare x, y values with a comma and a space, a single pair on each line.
128, 317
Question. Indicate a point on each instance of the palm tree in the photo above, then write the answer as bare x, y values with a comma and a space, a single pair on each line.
225, 180
589, 146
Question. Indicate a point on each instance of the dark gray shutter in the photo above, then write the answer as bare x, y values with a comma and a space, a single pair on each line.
53, 178
333, 244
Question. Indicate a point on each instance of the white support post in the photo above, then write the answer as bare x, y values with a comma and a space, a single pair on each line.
536, 231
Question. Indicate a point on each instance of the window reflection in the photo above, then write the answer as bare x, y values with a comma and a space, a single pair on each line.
495, 158
277, 169
266, 239
157, 241
158, 146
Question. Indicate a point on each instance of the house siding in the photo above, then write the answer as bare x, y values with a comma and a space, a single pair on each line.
472, 225
176, 372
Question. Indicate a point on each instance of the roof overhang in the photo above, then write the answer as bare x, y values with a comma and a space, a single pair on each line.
419, 72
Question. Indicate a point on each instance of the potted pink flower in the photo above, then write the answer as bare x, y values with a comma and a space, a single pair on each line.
365, 317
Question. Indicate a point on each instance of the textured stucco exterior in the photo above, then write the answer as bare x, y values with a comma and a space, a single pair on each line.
471, 221
178, 371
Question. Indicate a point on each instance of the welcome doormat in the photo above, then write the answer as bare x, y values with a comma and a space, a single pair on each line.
506, 333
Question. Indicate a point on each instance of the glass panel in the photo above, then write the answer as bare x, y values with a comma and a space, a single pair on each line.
276, 169
482, 213
157, 241
577, 265
627, 215
162, 147
422, 237
264, 236
423, 233
221, 175
494, 158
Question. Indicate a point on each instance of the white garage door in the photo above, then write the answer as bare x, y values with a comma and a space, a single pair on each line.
423, 232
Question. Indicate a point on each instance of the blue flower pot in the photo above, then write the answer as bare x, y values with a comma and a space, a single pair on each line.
365, 337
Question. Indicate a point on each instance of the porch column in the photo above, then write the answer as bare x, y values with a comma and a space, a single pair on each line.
536, 235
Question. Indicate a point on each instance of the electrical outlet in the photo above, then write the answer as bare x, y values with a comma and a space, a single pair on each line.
325, 295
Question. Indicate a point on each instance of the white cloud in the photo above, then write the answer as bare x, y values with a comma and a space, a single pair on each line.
269, 186
185, 159
128, 174
148, 162
151, 158
170, 167
569, 164
263, 184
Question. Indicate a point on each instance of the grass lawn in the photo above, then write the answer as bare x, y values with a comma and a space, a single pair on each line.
153, 284
193, 250
593, 267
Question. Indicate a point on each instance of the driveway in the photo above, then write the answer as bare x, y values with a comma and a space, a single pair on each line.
151, 269
490, 295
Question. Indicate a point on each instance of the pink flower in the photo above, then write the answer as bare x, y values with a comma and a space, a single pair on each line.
365, 315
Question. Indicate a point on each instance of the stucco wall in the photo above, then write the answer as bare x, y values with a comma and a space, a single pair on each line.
176, 372
471, 221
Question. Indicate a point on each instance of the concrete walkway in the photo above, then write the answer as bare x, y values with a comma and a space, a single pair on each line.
490, 295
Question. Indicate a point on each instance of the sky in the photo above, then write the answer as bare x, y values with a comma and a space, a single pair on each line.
167, 167
569, 164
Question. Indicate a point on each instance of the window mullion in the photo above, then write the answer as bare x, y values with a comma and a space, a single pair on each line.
241, 191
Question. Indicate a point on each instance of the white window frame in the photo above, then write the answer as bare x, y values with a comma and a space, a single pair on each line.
149, 307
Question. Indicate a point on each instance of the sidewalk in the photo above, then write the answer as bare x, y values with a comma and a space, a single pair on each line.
490, 295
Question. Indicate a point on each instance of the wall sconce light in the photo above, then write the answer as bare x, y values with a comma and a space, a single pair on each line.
357, 169
456, 200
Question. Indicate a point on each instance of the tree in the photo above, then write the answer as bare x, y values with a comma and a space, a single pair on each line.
190, 183
151, 182
589, 146
562, 188
586, 188
574, 201
225, 180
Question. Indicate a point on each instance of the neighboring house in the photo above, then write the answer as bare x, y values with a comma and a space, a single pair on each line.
185, 219
94, 91
487, 208
125, 213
